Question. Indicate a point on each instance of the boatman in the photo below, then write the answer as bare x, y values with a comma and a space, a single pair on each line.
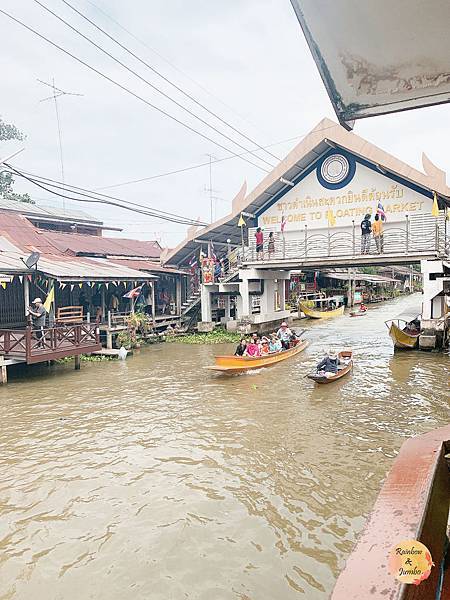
284, 334
328, 366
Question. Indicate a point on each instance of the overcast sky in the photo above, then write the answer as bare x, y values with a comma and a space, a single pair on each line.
254, 69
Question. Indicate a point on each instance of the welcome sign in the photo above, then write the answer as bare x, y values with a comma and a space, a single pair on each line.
348, 190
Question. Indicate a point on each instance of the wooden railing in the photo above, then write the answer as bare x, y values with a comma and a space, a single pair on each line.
418, 235
48, 343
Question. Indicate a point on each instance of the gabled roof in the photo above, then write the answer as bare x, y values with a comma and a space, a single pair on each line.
327, 134
18, 238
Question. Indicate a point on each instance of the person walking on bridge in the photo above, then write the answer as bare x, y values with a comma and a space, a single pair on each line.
366, 229
377, 230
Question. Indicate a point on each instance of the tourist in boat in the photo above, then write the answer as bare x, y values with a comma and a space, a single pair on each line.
240, 350
271, 245
275, 344
362, 307
328, 366
284, 334
259, 244
377, 231
366, 229
252, 348
264, 346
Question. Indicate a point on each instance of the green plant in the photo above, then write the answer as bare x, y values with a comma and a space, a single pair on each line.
218, 336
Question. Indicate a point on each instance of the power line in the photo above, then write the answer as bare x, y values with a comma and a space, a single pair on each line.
170, 63
46, 184
122, 87
167, 80
154, 87
199, 165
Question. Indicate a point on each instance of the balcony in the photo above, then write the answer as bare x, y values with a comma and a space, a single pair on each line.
33, 346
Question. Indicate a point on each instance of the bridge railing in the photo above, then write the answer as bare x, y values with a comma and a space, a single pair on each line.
419, 234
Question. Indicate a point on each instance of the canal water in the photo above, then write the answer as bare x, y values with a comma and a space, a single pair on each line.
155, 479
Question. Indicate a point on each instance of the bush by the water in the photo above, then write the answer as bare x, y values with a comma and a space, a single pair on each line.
218, 336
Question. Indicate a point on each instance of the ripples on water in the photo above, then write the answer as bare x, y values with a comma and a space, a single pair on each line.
153, 479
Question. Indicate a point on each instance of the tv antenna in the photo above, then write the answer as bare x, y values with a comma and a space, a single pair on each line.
57, 93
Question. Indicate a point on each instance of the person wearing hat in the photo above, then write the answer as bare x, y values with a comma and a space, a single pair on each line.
284, 334
328, 366
366, 229
38, 314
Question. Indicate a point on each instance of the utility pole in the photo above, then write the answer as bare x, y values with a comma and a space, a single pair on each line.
210, 188
56, 94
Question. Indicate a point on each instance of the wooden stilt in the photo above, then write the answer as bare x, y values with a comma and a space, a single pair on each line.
3, 371
77, 362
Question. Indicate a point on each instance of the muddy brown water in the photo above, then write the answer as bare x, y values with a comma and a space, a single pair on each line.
155, 479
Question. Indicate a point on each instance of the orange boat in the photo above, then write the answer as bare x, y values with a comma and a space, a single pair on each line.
231, 365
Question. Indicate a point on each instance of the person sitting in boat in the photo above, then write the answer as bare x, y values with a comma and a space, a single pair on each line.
284, 335
328, 366
264, 346
362, 307
252, 348
240, 350
275, 344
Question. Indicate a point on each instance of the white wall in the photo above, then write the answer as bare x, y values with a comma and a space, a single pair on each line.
308, 202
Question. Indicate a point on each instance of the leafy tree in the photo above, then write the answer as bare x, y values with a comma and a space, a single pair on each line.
10, 132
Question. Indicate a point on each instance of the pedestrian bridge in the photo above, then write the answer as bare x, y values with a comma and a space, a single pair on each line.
418, 238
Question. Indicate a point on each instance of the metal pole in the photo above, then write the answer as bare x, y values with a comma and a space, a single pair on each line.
354, 237
407, 234
306, 241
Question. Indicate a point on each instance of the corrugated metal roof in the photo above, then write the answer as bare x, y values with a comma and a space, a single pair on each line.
74, 268
78, 243
53, 212
145, 265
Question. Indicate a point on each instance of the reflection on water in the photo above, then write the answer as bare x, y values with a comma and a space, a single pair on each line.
153, 479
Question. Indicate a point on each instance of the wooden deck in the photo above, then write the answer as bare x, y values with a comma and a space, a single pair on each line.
33, 346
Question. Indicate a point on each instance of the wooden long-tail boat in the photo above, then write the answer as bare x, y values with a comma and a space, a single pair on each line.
358, 313
402, 335
321, 313
346, 358
413, 504
231, 365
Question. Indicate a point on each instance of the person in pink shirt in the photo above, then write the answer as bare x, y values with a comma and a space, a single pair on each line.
259, 244
252, 349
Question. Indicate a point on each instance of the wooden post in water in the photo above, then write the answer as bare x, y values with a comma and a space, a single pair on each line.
77, 362
3, 371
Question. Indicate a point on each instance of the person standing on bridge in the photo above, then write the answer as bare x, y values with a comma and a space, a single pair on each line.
377, 230
259, 244
366, 229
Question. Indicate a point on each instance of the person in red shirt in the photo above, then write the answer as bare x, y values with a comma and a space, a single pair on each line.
259, 244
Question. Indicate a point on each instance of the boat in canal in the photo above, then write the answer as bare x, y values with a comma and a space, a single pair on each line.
404, 330
345, 366
323, 308
358, 313
231, 365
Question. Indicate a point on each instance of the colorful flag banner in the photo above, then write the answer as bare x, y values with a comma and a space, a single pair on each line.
134, 293
380, 211
435, 209
241, 222
283, 223
50, 299
3, 284
330, 218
